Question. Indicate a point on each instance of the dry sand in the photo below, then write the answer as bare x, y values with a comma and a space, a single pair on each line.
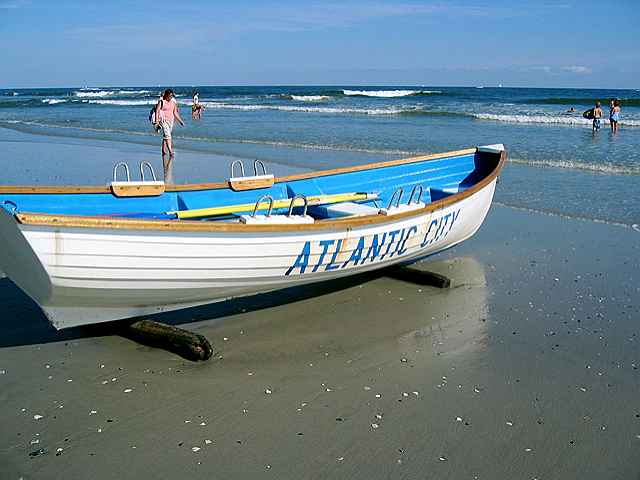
526, 368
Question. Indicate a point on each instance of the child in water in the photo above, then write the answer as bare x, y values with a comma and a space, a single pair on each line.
597, 115
197, 107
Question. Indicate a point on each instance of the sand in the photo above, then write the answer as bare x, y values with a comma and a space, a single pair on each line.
59, 160
526, 368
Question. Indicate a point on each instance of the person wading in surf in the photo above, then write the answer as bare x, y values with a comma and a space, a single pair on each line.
597, 115
166, 113
197, 107
614, 115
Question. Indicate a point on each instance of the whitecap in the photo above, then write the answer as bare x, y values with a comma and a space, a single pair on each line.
550, 119
133, 92
121, 102
305, 109
93, 93
380, 93
309, 98
53, 101
388, 93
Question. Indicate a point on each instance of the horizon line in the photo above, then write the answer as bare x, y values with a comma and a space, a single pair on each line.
167, 85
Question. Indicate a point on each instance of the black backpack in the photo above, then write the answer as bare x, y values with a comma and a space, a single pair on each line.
152, 114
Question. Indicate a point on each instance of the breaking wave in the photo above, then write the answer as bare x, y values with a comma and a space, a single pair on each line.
591, 167
631, 102
388, 93
309, 98
53, 101
550, 120
94, 94
121, 102
386, 110
310, 109
107, 93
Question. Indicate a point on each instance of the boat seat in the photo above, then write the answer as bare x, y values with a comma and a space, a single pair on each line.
276, 219
440, 193
342, 209
407, 207
252, 182
142, 188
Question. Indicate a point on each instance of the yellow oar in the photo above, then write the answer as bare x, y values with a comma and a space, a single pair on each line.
280, 203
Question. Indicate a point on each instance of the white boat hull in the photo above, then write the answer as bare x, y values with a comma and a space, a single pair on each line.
85, 275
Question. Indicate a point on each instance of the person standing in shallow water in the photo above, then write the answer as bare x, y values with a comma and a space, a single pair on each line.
597, 115
614, 115
196, 109
166, 114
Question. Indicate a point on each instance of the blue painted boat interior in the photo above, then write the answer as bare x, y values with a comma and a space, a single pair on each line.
439, 178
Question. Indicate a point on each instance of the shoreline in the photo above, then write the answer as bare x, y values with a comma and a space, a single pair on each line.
63, 161
283, 158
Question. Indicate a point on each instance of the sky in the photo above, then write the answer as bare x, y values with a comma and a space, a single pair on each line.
553, 43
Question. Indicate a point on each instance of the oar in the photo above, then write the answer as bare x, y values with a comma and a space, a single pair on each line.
280, 203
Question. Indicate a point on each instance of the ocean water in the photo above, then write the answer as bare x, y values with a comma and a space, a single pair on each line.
557, 165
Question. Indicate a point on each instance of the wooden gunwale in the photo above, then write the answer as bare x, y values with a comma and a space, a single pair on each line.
75, 221
33, 189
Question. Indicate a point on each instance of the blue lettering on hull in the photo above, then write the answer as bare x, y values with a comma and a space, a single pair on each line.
385, 245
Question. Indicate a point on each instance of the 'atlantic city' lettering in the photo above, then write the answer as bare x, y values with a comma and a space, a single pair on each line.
383, 246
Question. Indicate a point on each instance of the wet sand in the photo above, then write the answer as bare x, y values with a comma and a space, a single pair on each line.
42, 159
526, 368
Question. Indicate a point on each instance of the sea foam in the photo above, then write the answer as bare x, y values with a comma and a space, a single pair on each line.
551, 119
309, 98
133, 92
108, 93
94, 93
605, 168
295, 108
121, 102
388, 93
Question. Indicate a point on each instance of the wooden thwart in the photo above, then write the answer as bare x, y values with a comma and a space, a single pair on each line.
279, 203
137, 189
240, 184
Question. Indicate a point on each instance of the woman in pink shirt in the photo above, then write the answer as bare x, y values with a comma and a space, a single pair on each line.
166, 113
